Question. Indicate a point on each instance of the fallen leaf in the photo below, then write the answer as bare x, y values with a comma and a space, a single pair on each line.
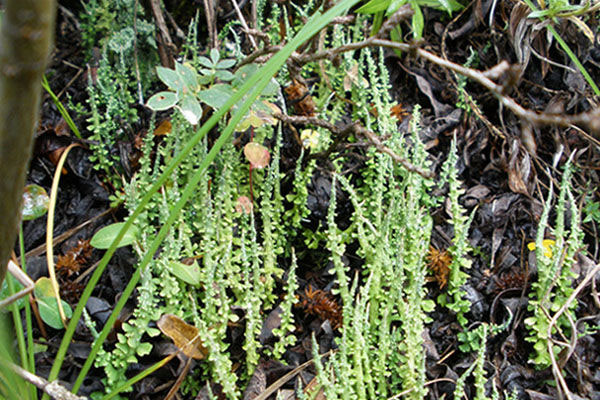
300, 99
257, 384
163, 129
243, 204
309, 138
184, 335
257, 154
352, 79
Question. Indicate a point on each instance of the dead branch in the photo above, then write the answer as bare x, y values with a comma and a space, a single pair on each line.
358, 130
503, 70
53, 389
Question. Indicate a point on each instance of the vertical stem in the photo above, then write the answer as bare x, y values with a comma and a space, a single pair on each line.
29, 325
25, 39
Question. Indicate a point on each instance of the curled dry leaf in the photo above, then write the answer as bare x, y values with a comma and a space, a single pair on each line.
521, 175
184, 335
352, 79
257, 154
300, 99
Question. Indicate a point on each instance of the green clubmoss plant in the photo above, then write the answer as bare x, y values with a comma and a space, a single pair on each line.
555, 276
454, 299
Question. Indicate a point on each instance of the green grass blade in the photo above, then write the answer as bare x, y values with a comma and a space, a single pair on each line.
61, 109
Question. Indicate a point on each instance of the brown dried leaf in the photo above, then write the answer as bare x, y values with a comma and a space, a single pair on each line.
184, 335
521, 175
518, 29
62, 128
163, 129
257, 384
54, 157
312, 386
352, 79
300, 99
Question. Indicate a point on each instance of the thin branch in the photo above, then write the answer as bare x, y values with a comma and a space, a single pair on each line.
211, 22
259, 53
555, 368
164, 41
53, 389
23, 279
359, 130
242, 20
503, 70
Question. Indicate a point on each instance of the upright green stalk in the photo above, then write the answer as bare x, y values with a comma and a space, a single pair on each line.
25, 40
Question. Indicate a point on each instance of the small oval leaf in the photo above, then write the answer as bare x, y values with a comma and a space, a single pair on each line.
243, 205
35, 202
43, 287
162, 101
187, 273
257, 154
216, 96
224, 64
170, 78
105, 236
190, 108
188, 76
48, 307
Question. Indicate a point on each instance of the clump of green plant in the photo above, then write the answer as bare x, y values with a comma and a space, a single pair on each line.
555, 276
213, 84
121, 57
110, 100
479, 338
234, 260
388, 311
454, 299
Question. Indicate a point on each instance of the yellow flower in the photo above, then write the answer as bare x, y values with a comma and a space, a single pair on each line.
546, 243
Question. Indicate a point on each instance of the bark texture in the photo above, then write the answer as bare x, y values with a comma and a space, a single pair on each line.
25, 39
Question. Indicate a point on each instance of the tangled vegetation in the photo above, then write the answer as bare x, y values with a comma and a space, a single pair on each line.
281, 206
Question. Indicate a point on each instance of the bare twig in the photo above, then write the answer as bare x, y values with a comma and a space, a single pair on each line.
41, 249
590, 119
243, 22
53, 389
259, 53
211, 22
135, 55
402, 14
23, 279
165, 44
555, 367
286, 378
359, 130
260, 35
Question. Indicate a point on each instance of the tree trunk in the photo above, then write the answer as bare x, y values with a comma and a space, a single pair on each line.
25, 39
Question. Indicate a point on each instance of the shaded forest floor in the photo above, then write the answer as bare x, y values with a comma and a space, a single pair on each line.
507, 167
